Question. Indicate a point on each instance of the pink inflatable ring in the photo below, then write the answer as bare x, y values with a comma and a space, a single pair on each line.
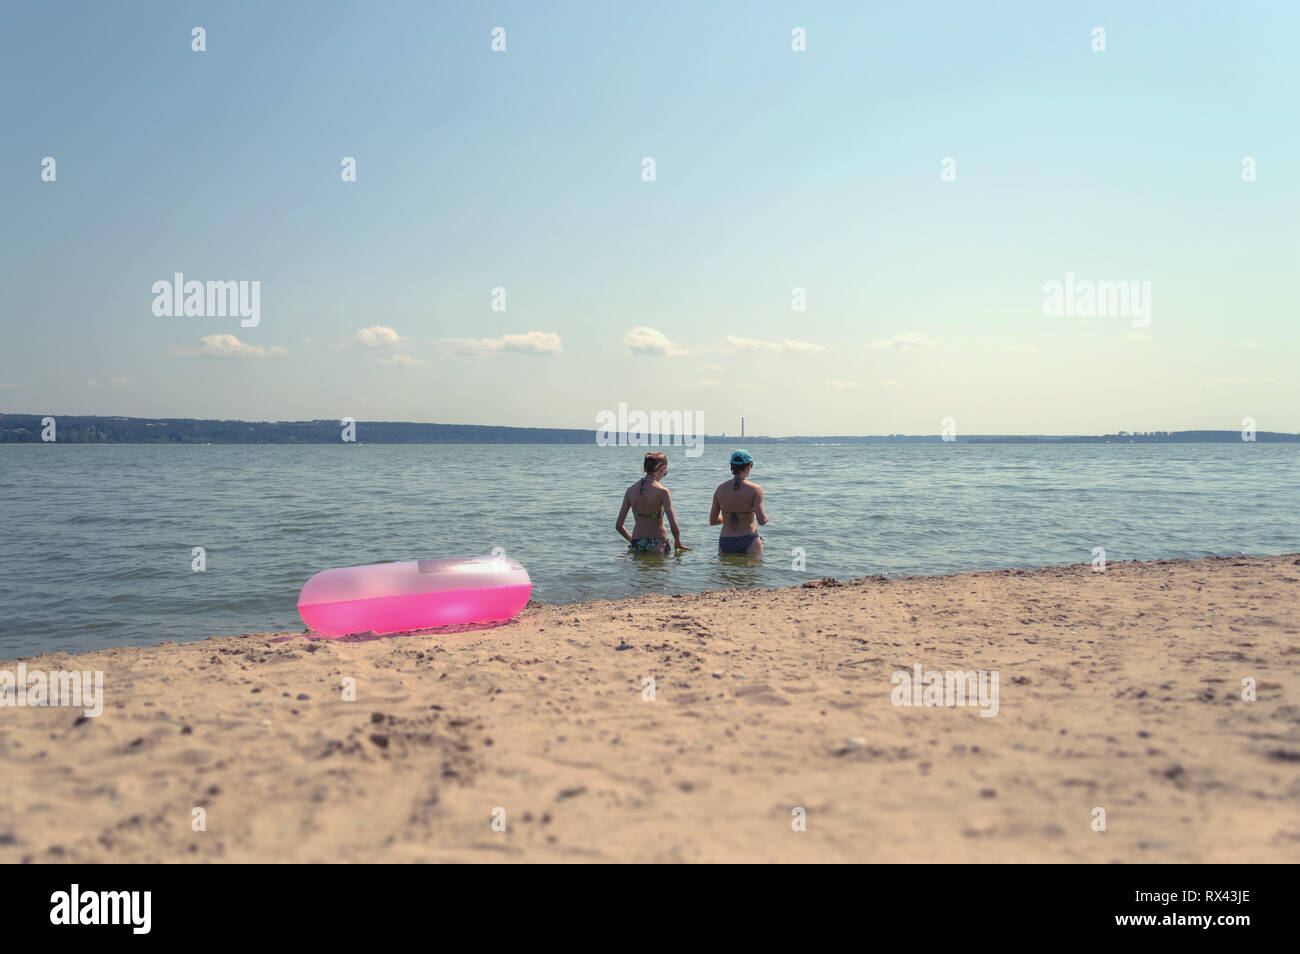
413, 594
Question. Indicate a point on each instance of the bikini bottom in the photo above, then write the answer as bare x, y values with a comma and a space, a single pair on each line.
739, 544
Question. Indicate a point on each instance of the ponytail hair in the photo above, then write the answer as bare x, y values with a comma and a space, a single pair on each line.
652, 462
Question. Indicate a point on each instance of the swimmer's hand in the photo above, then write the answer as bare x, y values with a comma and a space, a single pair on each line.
678, 545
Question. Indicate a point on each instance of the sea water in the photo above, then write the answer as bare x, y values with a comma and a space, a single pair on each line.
99, 544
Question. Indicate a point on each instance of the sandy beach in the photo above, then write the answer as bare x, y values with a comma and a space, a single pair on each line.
1120, 690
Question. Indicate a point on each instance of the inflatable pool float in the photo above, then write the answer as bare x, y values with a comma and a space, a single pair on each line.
413, 594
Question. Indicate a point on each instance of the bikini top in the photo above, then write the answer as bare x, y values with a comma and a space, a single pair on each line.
652, 516
735, 485
734, 513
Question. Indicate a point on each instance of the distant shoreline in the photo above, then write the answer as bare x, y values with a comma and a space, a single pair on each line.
94, 429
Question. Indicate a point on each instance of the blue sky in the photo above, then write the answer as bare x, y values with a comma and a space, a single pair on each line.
775, 169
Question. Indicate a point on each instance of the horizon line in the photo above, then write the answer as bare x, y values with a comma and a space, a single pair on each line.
667, 440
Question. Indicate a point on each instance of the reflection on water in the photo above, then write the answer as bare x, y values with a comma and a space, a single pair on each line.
652, 571
741, 569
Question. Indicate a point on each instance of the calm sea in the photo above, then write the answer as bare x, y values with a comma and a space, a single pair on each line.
96, 541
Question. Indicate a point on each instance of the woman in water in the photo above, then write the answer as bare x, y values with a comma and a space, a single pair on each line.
649, 500
741, 502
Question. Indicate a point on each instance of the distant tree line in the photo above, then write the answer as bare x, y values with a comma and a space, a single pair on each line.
81, 429
76, 429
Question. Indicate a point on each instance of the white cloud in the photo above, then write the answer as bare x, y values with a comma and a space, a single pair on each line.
228, 346
643, 340
1138, 336
904, 341
1235, 380
841, 385
1249, 345
405, 360
889, 383
377, 336
1021, 349
709, 367
532, 342
710, 384
733, 343
6, 385
121, 382
384, 338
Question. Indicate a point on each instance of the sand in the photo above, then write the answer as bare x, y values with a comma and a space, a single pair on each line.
1119, 690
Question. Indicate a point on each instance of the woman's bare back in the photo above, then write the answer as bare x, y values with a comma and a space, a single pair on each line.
647, 498
739, 507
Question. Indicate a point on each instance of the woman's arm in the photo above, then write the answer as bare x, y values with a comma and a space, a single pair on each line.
715, 513
759, 513
672, 522
622, 517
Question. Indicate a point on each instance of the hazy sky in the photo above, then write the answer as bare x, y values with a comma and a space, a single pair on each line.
775, 169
